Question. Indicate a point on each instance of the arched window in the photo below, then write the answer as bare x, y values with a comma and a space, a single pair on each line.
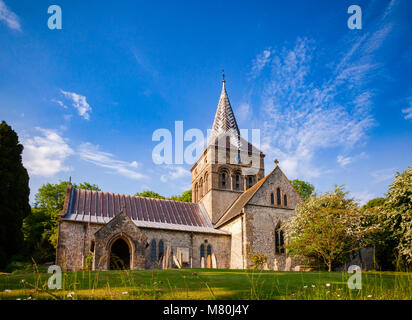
285, 200
272, 198
237, 181
161, 249
195, 193
205, 186
200, 188
223, 179
202, 251
153, 255
279, 240
249, 181
278, 197
209, 250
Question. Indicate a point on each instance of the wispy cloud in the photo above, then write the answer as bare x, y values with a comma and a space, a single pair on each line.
344, 161
79, 102
9, 17
310, 101
382, 175
260, 62
408, 111
44, 155
60, 103
175, 173
363, 196
92, 154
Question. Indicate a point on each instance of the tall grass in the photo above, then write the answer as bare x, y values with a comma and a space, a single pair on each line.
205, 284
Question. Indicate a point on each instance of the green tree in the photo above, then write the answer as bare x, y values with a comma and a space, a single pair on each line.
14, 194
327, 227
149, 194
185, 197
381, 240
305, 189
49, 201
398, 209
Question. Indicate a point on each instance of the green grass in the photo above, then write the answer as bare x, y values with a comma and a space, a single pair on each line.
205, 284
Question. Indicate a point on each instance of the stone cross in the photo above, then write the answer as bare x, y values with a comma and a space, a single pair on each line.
276, 161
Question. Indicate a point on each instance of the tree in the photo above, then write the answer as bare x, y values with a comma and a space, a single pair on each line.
381, 240
398, 218
149, 194
305, 189
327, 227
185, 197
41, 226
14, 194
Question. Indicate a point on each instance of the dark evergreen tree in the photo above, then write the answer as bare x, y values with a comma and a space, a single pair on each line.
14, 194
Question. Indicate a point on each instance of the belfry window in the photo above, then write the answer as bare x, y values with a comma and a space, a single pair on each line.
279, 200
249, 181
279, 240
237, 182
223, 180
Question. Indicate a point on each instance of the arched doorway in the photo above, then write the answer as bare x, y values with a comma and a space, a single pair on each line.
119, 255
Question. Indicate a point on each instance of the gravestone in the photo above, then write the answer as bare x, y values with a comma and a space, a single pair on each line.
288, 264
275, 265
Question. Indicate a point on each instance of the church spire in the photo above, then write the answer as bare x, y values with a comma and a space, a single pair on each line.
225, 121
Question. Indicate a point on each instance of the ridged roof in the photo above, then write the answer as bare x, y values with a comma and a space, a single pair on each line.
101, 207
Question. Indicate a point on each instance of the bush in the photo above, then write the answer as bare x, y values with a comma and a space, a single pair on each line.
258, 260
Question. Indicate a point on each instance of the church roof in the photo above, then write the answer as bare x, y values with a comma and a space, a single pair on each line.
236, 208
224, 118
100, 207
225, 130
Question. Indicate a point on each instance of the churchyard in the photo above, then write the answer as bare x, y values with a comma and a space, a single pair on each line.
200, 284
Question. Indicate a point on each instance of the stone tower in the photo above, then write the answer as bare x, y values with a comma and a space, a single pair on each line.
228, 166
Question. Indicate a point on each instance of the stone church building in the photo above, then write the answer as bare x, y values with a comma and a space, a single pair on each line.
236, 211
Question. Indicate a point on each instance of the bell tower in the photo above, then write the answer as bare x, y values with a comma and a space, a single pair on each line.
228, 166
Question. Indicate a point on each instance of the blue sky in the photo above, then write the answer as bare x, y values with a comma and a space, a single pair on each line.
334, 105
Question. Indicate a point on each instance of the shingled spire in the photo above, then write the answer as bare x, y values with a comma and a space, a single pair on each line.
225, 121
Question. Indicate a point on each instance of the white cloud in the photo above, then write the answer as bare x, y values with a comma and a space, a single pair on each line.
408, 111
44, 155
260, 62
175, 173
91, 153
60, 103
383, 174
344, 161
363, 197
9, 17
79, 102
308, 103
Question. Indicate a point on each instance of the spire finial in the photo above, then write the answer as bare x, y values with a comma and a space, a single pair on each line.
223, 75
276, 162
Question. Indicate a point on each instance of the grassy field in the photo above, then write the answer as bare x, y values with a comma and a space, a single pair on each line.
205, 284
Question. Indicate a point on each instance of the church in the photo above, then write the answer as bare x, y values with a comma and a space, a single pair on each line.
236, 211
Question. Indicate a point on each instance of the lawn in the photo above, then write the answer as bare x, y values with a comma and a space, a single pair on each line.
205, 284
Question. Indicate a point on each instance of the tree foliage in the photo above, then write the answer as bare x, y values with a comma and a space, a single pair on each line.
41, 226
305, 189
14, 194
149, 194
327, 227
185, 197
398, 219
